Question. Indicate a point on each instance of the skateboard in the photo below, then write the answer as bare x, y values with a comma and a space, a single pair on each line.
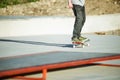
80, 44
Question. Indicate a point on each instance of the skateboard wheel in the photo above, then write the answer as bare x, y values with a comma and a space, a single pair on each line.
73, 46
86, 44
83, 46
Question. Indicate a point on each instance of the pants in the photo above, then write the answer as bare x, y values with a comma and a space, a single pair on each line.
80, 17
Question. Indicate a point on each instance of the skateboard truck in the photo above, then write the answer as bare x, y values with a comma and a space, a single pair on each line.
79, 44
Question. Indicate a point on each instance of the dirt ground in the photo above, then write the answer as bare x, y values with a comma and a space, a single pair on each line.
60, 8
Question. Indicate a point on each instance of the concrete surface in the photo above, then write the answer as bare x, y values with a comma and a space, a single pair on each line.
40, 25
12, 46
54, 34
84, 73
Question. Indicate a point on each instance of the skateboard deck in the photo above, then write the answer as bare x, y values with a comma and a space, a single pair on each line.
80, 44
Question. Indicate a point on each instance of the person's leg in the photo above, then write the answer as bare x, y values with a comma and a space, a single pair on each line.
79, 13
84, 15
81, 38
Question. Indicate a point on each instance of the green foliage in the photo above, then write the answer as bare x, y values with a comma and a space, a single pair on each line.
4, 3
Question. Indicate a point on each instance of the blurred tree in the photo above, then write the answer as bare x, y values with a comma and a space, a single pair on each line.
4, 3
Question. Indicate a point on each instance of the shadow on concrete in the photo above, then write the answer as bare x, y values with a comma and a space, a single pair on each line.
17, 17
27, 17
37, 43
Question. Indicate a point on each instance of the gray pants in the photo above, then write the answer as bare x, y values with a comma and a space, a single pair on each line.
80, 17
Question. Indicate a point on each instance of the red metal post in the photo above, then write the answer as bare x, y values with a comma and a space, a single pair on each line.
44, 74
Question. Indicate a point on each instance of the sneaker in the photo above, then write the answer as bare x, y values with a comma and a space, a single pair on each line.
75, 39
83, 39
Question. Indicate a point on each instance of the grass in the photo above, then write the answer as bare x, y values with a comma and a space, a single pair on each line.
5, 3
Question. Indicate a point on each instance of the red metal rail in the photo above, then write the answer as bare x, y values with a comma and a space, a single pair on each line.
44, 68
